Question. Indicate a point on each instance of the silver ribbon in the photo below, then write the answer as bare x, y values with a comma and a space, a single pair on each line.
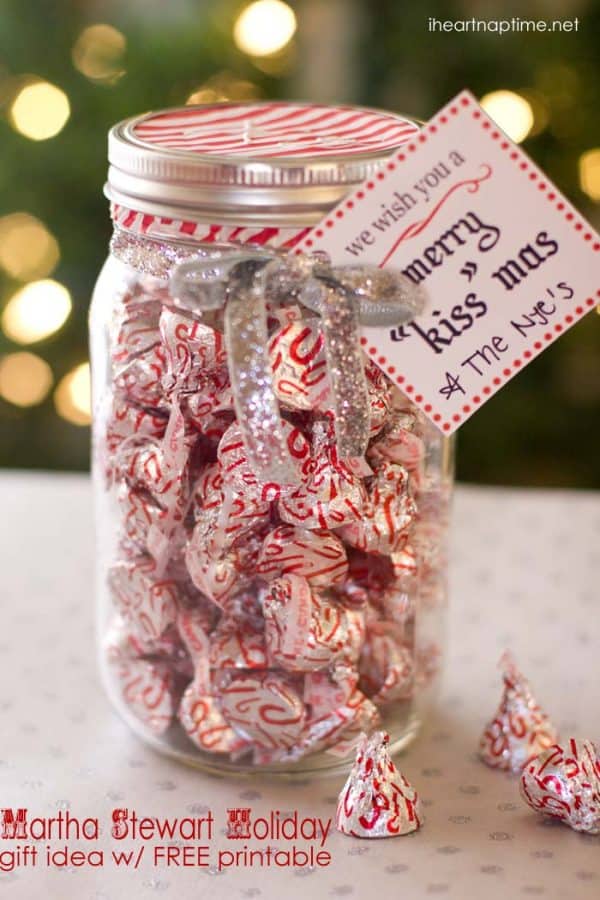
243, 282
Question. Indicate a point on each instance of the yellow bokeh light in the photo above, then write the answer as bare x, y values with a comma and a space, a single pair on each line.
25, 379
539, 109
224, 86
39, 111
264, 27
589, 173
277, 64
98, 53
72, 396
36, 311
206, 95
27, 249
511, 112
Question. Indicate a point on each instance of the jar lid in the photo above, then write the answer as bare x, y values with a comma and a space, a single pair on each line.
270, 163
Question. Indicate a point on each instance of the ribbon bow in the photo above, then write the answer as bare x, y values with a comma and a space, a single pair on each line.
245, 283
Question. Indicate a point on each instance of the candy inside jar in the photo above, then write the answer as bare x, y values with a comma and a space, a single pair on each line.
272, 508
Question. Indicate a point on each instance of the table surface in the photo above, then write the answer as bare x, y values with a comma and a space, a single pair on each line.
525, 570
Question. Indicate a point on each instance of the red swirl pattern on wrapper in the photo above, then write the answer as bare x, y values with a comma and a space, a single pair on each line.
265, 709
236, 469
386, 516
269, 620
218, 576
236, 643
128, 421
147, 604
204, 724
324, 566
192, 352
377, 801
317, 555
399, 444
563, 782
299, 366
331, 494
520, 730
387, 667
304, 630
147, 688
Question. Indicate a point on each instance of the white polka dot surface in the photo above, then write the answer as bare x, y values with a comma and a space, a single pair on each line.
525, 571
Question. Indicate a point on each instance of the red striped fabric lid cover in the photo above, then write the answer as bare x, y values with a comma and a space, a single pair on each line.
274, 130
252, 159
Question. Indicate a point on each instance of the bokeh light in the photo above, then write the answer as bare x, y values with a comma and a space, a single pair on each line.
25, 379
39, 111
206, 95
511, 112
72, 396
98, 53
27, 248
278, 65
539, 109
264, 27
589, 173
224, 86
36, 311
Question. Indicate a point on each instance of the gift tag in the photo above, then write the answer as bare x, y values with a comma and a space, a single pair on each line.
507, 263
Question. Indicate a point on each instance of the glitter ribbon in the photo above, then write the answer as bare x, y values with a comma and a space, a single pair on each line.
344, 297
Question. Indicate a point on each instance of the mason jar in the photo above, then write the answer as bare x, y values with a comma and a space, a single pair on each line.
266, 593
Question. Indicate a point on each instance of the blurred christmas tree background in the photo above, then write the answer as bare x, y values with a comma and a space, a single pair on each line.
70, 68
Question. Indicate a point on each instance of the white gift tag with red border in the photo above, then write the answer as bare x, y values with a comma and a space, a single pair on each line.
507, 263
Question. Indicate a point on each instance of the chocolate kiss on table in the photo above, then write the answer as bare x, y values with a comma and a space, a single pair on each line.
520, 730
377, 801
564, 782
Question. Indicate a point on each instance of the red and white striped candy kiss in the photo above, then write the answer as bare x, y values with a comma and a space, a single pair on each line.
192, 350
398, 444
237, 644
141, 379
564, 782
317, 555
219, 576
142, 465
224, 546
147, 689
380, 397
304, 630
139, 513
203, 722
264, 708
228, 511
338, 730
387, 668
193, 625
136, 333
237, 468
210, 407
377, 801
297, 357
147, 603
520, 730
331, 494
241, 282
128, 421
384, 525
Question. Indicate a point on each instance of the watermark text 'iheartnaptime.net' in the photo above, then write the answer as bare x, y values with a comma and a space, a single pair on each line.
502, 26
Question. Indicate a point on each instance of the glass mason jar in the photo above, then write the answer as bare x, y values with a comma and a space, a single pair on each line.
253, 620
